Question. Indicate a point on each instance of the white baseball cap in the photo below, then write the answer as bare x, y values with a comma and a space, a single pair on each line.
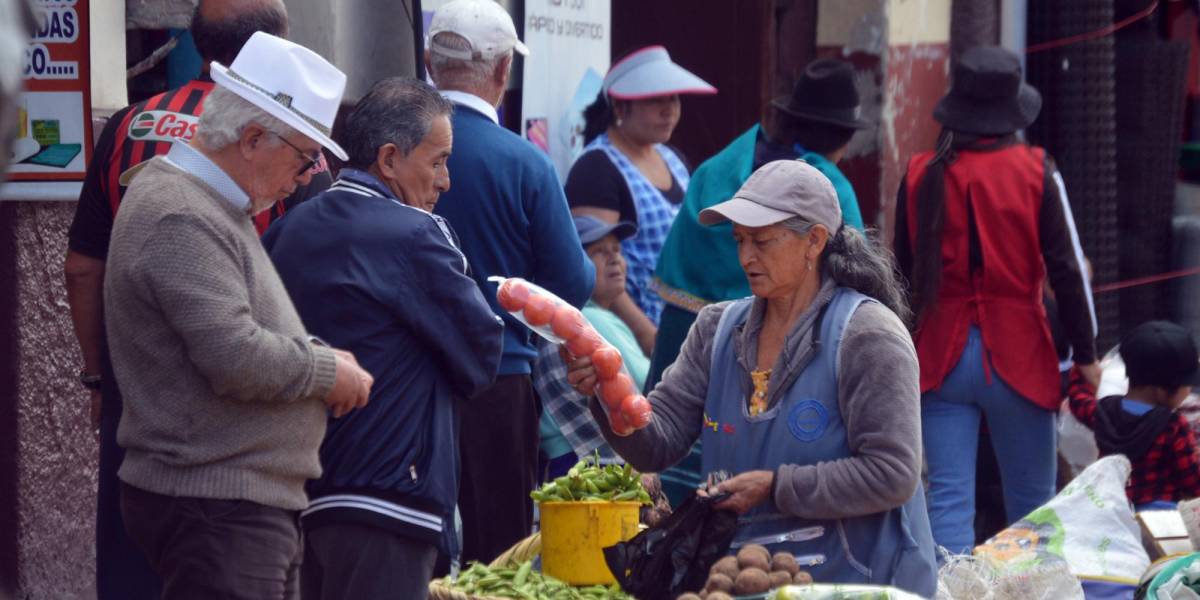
483, 23
289, 82
649, 73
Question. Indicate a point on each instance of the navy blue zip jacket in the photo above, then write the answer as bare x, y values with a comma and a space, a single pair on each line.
386, 282
508, 207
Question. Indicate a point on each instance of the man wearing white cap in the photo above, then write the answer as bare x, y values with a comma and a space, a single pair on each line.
226, 396
512, 219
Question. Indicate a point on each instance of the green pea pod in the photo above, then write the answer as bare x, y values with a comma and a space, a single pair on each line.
626, 495
522, 574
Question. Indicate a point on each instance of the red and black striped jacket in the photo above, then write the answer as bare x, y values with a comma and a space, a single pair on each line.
136, 134
1167, 471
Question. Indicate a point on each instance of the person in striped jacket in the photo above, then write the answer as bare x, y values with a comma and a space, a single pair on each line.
132, 136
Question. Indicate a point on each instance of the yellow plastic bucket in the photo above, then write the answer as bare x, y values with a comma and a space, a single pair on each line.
574, 535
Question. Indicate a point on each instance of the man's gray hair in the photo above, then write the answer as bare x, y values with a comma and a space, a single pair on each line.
457, 73
855, 261
226, 116
397, 110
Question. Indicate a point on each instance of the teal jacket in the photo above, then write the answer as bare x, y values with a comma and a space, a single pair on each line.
699, 264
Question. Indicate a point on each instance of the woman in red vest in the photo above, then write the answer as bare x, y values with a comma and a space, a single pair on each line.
981, 223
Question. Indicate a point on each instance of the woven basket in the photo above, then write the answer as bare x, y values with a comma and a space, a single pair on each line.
524, 550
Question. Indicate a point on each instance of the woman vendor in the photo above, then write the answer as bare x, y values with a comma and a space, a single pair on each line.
806, 392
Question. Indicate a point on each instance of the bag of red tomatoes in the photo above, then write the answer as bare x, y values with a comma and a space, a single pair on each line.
548, 316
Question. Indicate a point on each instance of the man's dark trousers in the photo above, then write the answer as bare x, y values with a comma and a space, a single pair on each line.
204, 548
347, 561
498, 442
122, 572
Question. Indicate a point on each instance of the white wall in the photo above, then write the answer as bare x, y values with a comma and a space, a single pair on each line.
108, 54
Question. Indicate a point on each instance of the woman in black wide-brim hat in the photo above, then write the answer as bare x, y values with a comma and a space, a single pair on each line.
981, 224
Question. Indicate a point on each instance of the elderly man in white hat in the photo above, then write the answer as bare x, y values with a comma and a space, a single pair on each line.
226, 396
511, 216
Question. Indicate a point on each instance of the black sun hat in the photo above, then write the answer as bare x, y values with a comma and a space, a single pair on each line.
825, 93
988, 95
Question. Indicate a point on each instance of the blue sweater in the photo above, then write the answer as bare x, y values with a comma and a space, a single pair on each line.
511, 215
385, 281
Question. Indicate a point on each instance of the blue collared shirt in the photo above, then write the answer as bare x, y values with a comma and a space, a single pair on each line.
193, 161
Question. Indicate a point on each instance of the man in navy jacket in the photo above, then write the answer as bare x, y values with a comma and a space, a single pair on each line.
372, 270
509, 208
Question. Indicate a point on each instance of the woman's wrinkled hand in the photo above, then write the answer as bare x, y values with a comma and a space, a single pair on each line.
746, 491
581, 375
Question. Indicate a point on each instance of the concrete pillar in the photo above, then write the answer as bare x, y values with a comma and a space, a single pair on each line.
48, 454
900, 49
367, 39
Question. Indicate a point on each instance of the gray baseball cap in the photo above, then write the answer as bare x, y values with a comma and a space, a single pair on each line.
778, 191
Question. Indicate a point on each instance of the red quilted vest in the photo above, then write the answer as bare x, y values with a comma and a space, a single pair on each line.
1004, 297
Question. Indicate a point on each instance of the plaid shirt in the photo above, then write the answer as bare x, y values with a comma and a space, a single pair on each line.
654, 217
1168, 471
568, 408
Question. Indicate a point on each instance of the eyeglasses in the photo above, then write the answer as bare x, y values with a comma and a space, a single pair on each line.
310, 160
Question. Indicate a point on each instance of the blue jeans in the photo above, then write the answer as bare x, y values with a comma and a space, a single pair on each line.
1023, 436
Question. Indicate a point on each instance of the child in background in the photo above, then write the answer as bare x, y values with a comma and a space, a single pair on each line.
1162, 365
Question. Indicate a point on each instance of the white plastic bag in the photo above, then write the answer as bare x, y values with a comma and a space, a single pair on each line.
1089, 525
977, 578
835, 591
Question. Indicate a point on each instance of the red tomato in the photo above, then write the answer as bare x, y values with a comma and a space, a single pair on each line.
512, 295
568, 323
619, 425
607, 361
636, 410
585, 343
613, 391
539, 310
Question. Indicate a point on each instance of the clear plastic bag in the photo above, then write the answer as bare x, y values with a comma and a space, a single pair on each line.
560, 323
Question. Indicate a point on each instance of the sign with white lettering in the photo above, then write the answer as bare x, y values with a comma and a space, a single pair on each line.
568, 56
54, 131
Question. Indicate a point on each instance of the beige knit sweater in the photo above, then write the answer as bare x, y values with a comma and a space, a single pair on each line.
223, 392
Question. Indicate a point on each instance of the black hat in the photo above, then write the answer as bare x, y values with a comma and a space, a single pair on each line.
1160, 353
988, 95
591, 229
825, 93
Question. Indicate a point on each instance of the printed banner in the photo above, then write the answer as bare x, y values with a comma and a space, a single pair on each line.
54, 132
568, 56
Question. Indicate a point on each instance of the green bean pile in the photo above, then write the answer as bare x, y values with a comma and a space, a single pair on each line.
588, 480
524, 583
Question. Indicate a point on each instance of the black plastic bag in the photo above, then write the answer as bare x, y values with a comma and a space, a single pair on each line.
674, 557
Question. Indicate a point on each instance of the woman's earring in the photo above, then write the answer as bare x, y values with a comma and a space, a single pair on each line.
619, 121
810, 264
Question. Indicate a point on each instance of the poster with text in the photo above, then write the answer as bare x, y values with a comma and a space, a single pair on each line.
568, 56
54, 131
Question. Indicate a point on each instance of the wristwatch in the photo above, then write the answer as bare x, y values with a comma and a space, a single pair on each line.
91, 382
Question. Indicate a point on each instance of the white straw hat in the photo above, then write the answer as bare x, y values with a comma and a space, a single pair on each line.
290, 82
483, 23
648, 73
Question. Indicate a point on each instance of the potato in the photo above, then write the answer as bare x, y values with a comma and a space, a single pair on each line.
727, 566
754, 556
780, 578
688, 596
784, 561
751, 581
718, 596
802, 578
719, 582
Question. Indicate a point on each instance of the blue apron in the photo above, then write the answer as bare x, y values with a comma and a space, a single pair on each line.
805, 427
654, 217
